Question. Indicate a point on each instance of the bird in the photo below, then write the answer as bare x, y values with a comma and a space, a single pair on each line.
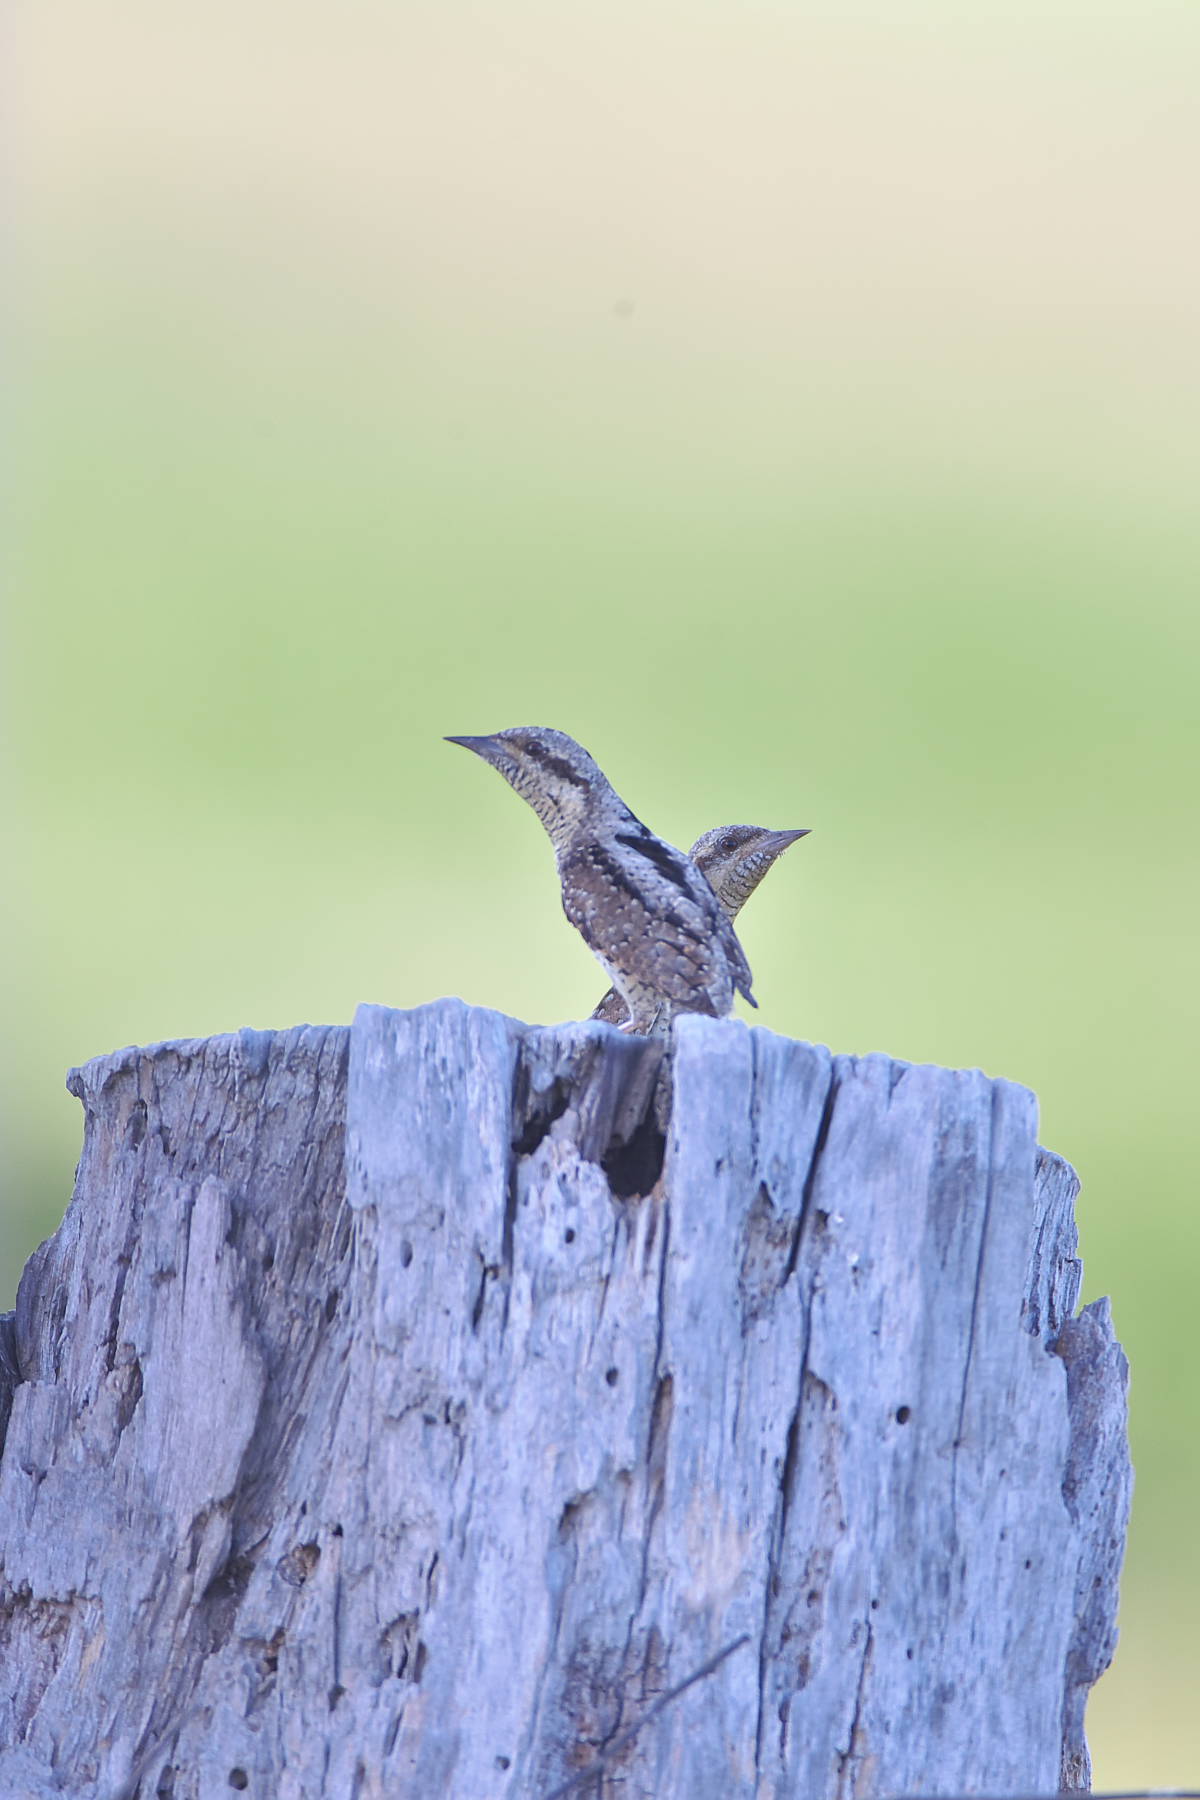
642, 907
733, 860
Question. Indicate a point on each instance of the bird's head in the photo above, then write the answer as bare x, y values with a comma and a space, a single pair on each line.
548, 769
734, 858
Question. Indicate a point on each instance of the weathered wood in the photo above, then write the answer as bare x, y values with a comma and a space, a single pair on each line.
405, 1410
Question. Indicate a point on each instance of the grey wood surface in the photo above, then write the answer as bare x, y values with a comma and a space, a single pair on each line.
406, 1410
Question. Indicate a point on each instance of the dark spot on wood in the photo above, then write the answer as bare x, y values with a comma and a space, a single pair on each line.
399, 1650
633, 1167
502, 1762
661, 1415
791, 1463
612, 1376
406, 1253
135, 1131
569, 1517
130, 1394
238, 1778
331, 1305
569, 1235
903, 1415
767, 1242
480, 1293
603, 1686
534, 1114
298, 1563
223, 1595
231, 1580
268, 1655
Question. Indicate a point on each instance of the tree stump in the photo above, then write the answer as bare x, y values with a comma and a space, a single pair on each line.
412, 1409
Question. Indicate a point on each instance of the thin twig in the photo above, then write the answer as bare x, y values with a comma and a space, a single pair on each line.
596, 1768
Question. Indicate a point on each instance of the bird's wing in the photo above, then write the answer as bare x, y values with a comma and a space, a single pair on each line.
682, 872
651, 937
738, 966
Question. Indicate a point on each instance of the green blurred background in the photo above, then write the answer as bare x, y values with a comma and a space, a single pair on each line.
798, 405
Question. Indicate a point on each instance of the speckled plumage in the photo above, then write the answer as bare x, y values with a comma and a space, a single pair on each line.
642, 907
733, 860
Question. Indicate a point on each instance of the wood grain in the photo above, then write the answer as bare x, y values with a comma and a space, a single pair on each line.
405, 1410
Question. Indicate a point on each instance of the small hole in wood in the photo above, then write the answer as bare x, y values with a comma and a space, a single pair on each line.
238, 1778
136, 1128
569, 1235
611, 1376
502, 1762
903, 1415
405, 1254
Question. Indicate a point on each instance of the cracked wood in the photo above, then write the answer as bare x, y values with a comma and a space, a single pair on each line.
412, 1409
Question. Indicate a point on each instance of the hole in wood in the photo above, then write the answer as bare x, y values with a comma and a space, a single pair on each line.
537, 1115
634, 1166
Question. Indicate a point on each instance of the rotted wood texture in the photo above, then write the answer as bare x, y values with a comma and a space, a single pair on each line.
404, 1410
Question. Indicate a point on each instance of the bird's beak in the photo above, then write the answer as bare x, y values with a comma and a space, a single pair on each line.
779, 840
486, 747
493, 750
